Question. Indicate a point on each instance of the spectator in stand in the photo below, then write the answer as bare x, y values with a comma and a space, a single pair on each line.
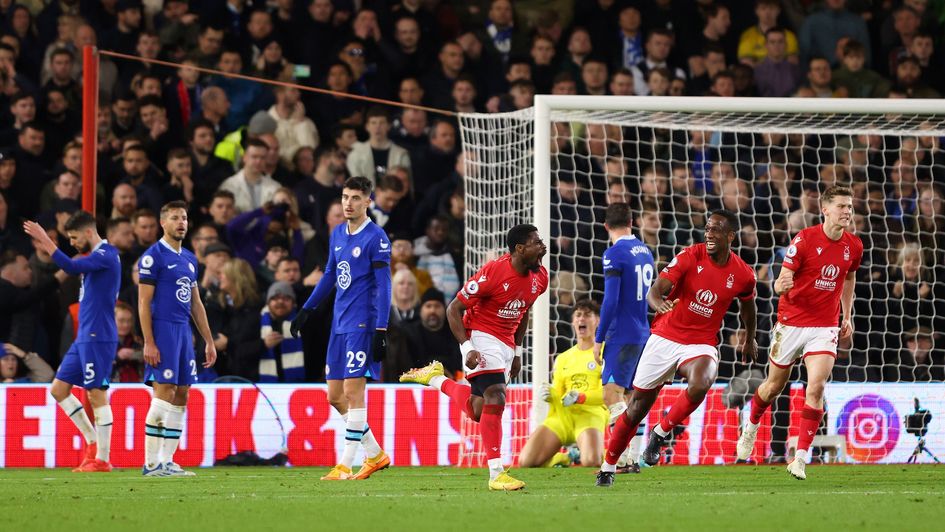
913, 292
628, 50
200, 237
776, 76
723, 84
713, 63
254, 234
434, 255
714, 32
215, 256
233, 314
180, 185
375, 156
138, 172
438, 83
406, 54
246, 97
906, 23
659, 44
215, 110
405, 299
430, 338
119, 233
753, 44
293, 129
385, 209
17, 366
923, 49
222, 210
19, 296
908, 81
144, 225
543, 69
594, 76
209, 171
918, 360
129, 359
819, 80
123, 37
251, 187
23, 109
68, 185
821, 31
279, 353
579, 47
316, 193
857, 80
403, 258
412, 133
621, 83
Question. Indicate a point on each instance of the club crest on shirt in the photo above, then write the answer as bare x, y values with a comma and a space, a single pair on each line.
846, 252
356, 252
730, 282
592, 365
191, 266
168, 373
534, 285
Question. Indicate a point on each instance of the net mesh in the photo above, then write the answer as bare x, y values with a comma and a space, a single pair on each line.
769, 168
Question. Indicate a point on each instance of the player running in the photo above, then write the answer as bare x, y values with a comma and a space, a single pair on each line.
576, 397
167, 300
816, 281
691, 297
88, 363
628, 273
359, 266
489, 318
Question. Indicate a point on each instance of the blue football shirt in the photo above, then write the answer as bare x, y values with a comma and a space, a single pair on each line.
629, 262
101, 280
351, 259
174, 277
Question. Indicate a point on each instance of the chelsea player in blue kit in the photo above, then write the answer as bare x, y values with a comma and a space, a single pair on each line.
359, 266
88, 363
167, 299
624, 327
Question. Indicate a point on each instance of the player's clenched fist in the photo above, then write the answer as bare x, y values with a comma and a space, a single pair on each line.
783, 284
666, 305
473, 359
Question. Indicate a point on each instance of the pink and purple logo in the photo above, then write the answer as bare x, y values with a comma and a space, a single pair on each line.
871, 426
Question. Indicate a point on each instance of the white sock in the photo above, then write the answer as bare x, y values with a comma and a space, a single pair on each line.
495, 467
752, 426
173, 425
73, 408
154, 431
371, 447
659, 431
608, 468
357, 419
616, 410
103, 431
801, 454
636, 444
437, 381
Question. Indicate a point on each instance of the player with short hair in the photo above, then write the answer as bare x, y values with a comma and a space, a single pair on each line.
691, 297
576, 396
167, 301
816, 282
359, 266
88, 362
489, 318
628, 273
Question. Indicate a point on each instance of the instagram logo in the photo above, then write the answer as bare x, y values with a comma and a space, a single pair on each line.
871, 426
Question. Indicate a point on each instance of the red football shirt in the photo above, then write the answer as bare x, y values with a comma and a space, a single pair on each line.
497, 298
820, 266
705, 291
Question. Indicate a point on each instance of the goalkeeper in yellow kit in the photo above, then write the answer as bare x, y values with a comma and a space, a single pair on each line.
576, 395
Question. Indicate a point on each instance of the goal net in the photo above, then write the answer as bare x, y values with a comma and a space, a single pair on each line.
560, 164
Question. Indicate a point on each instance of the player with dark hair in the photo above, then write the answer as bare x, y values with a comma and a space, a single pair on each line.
167, 300
690, 298
628, 274
359, 266
489, 318
576, 398
88, 363
816, 282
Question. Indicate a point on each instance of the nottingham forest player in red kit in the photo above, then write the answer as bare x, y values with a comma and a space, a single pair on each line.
816, 281
489, 318
690, 298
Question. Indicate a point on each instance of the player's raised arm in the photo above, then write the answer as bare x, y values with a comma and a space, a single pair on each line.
657, 296
86, 264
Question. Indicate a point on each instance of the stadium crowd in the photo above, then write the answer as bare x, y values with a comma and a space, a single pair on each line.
261, 166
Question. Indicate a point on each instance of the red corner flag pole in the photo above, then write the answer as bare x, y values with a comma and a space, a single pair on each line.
89, 126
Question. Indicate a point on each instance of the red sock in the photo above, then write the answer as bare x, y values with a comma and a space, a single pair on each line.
619, 439
459, 394
810, 422
678, 412
490, 424
758, 407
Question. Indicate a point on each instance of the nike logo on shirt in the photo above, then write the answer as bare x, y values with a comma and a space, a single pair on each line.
171, 266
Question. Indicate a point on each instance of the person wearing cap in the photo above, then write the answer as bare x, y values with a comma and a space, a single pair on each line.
250, 186
430, 339
215, 256
282, 358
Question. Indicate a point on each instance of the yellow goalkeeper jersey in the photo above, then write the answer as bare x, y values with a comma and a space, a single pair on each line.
575, 369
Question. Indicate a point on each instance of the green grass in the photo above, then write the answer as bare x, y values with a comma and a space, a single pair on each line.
833, 498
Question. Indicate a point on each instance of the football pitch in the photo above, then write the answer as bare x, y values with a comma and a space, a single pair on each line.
894, 497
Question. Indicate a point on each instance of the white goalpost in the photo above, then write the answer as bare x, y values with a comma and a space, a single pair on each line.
558, 164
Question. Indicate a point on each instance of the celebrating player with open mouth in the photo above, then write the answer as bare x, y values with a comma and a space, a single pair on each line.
817, 279
690, 298
489, 320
